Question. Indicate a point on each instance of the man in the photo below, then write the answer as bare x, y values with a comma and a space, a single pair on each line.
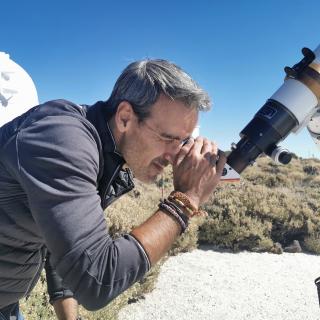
62, 164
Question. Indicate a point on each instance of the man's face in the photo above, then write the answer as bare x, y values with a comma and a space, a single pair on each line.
152, 144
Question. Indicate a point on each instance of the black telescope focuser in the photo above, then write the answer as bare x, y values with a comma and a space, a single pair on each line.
270, 125
288, 109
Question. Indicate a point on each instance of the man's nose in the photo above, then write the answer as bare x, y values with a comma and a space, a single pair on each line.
171, 152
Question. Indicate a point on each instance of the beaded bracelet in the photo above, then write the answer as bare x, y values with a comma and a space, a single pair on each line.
183, 216
168, 209
182, 205
182, 199
177, 195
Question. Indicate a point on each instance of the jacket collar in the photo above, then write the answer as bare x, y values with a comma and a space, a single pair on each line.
99, 114
113, 180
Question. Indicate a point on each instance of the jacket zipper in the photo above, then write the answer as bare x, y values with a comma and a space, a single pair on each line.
104, 190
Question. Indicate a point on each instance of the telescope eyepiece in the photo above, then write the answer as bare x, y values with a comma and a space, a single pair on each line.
280, 155
285, 158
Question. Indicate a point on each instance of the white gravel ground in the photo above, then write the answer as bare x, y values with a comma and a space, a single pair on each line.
207, 284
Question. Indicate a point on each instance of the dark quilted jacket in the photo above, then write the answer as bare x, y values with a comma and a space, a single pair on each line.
59, 169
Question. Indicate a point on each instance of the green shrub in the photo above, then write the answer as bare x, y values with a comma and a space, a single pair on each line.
273, 203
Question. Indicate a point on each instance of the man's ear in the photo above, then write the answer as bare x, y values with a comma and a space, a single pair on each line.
124, 116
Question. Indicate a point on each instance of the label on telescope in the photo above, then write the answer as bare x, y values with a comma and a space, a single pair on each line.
267, 112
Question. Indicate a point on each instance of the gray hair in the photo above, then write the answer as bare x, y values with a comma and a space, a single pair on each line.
142, 82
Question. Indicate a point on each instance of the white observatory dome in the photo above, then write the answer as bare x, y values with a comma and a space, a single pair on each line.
17, 90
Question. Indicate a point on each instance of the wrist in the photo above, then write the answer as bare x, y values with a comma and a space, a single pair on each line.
66, 308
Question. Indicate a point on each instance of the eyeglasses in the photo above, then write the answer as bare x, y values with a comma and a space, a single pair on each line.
167, 139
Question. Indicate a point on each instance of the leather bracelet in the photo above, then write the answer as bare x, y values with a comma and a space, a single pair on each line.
167, 209
183, 216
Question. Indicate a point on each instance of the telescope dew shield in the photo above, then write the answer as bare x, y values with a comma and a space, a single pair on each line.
287, 110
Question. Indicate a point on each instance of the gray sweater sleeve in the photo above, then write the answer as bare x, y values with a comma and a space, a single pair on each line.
57, 161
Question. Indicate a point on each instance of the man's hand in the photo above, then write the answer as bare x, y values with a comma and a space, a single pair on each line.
196, 172
197, 169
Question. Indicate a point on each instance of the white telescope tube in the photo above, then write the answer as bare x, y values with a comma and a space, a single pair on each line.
297, 97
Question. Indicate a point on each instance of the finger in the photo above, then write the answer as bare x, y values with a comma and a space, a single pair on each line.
197, 146
221, 162
211, 158
184, 150
215, 149
212, 153
195, 150
206, 147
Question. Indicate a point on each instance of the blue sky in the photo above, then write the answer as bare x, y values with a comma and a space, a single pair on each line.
236, 50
